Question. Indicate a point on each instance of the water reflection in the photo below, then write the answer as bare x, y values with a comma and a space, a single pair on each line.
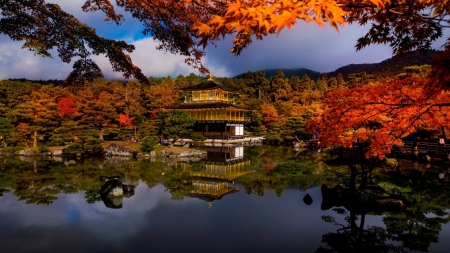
212, 177
263, 205
353, 236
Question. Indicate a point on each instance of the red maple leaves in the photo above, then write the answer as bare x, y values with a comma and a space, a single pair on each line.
125, 120
66, 107
382, 114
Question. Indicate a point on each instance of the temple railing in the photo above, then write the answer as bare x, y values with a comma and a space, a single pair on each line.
209, 99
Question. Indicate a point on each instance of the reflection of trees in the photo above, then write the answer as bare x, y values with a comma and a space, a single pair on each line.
353, 237
415, 228
177, 182
428, 200
39, 181
355, 160
278, 168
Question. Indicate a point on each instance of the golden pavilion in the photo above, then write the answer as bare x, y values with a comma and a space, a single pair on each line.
213, 108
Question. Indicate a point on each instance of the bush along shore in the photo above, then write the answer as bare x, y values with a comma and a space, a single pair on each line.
111, 149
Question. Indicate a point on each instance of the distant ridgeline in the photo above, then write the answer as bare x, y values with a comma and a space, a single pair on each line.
289, 73
388, 68
43, 82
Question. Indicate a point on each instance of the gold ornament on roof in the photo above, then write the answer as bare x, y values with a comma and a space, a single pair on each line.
210, 77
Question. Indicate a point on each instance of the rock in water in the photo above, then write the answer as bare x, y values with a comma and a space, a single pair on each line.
115, 203
112, 188
307, 200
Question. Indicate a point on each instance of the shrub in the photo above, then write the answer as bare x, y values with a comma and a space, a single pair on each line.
42, 149
11, 150
391, 162
58, 142
73, 150
196, 138
148, 144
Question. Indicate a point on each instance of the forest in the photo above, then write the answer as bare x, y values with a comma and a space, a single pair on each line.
41, 114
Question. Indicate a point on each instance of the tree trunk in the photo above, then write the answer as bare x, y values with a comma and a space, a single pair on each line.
353, 174
101, 135
35, 139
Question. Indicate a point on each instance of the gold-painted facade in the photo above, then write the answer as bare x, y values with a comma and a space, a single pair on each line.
216, 95
228, 114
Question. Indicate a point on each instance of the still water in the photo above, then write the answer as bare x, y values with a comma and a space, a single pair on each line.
233, 201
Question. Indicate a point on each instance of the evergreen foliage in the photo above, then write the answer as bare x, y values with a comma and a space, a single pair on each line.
148, 144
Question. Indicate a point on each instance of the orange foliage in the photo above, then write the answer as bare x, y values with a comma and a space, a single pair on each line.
297, 110
66, 107
22, 128
153, 114
125, 120
382, 114
263, 17
163, 94
270, 114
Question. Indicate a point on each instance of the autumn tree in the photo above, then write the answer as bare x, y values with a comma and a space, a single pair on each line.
95, 110
163, 94
382, 115
270, 114
41, 113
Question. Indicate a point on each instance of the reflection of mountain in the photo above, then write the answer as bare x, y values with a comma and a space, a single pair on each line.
212, 177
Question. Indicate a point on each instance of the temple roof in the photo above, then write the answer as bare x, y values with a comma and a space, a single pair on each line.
204, 105
209, 85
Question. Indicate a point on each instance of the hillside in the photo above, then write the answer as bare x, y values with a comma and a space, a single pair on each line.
289, 73
43, 82
387, 68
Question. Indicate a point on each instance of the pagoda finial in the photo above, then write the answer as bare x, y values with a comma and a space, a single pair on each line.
210, 77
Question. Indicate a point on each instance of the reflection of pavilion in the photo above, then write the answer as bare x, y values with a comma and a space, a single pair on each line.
222, 166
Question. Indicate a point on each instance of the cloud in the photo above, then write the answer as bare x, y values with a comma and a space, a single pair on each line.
304, 46
16, 62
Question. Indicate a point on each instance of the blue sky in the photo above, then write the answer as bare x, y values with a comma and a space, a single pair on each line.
304, 46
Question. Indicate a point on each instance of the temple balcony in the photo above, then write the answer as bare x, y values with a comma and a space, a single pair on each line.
209, 99
220, 118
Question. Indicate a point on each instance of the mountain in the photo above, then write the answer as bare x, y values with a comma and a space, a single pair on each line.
289, 73
387, 68
43, 82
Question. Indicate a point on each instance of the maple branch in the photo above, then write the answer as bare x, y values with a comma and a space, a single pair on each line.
410, 98
366, 119
208, 7
412, 122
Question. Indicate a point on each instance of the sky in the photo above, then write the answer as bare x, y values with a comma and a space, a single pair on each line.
304, 46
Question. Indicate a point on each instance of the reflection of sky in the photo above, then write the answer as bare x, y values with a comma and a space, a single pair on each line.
151, 221
444, 243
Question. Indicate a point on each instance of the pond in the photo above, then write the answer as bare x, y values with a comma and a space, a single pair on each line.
234, 200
